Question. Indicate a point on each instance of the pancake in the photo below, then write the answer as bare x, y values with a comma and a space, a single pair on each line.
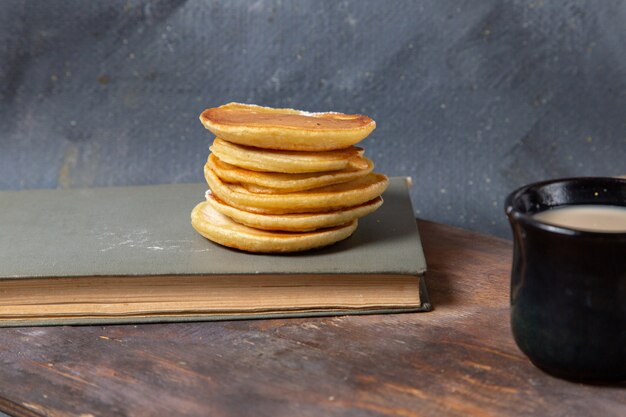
330, 198
221, 229
264, 160
274, 182
294, 222
286, 129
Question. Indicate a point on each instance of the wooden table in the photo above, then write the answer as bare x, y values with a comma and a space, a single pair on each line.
458, 360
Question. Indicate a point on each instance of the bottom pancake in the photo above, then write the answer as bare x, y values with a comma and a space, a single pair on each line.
294, 222
223, 230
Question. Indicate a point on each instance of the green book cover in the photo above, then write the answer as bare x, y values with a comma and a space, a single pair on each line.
145, 231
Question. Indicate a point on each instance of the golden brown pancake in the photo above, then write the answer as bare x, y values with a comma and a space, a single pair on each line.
286, 129
329, 198
265, 160
221, 229
303, 222
275, 182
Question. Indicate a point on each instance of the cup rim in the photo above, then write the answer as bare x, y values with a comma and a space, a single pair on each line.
529, 219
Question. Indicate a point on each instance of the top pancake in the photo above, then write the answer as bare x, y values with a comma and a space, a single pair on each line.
286, 129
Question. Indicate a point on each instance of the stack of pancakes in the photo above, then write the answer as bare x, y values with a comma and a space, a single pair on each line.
284, 180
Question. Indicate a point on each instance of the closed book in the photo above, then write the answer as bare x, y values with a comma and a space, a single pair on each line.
129, 255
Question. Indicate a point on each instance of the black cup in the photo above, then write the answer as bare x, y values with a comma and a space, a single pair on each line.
568, 287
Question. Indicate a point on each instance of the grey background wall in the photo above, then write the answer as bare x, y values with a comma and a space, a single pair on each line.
472, 98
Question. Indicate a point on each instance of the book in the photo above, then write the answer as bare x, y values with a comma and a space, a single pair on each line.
129, 255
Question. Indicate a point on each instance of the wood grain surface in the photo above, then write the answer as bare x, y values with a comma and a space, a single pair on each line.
459, 360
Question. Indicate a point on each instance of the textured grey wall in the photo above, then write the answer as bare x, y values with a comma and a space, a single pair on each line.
472, 98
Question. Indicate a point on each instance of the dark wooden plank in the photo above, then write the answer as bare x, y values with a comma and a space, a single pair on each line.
458, 360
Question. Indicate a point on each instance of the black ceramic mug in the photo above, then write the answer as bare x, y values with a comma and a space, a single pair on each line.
568, 287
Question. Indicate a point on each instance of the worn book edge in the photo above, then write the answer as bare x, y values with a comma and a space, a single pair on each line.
424, 306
